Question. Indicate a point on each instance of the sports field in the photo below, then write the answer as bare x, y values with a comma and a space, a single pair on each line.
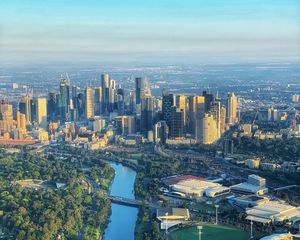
209, 232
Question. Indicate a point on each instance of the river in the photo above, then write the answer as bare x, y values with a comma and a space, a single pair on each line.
123, 218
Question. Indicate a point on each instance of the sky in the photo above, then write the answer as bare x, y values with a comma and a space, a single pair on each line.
157, 31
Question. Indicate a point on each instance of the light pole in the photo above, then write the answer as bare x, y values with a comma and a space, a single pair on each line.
251, 229
216, 206
199, 232
166, 225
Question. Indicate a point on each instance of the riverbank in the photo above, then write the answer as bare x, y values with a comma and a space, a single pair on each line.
122, 218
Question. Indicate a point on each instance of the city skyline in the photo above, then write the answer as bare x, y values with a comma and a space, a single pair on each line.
162, 32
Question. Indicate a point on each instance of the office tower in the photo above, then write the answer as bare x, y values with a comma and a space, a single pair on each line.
81, 104
51, 106
125, 125
25, 107
64, 101
99, 124
112, 96
223, 120
196, 112
273, 115
120, 101
177, 123
147, 114
209, 98
41, 112
22, 121
89, 103
130, 103
97, 100
216, 112
105, 87
210, 133
295, 98
139, 90
181, 103
33, 110
18, 119
160, 132
75, 90
6, 117
232, 109
131, 124
168, 102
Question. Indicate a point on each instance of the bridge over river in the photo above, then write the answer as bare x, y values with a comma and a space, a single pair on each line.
130, 202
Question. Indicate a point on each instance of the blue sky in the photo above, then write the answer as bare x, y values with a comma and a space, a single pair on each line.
189, 31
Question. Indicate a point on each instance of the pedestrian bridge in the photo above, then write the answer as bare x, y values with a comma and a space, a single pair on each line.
129, 201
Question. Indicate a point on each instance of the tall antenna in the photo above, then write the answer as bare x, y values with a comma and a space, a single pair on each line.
67, 77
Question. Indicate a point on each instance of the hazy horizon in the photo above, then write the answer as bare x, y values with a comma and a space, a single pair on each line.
167, 31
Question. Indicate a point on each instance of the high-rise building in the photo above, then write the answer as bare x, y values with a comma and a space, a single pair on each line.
209, 98
139, 90
232, 109
89, 103
108, 88
210, 133
22, 121
181, 103
168, 101
98, 124
33, 109
105, 85
216, 112
41, 112
160, 132
51, 106
196, 112
147, 114
64, 101
6, 116
120, 101
97, 100
223, 120
25, 107
177, 123
295, 98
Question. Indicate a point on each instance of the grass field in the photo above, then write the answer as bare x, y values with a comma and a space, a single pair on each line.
209, 232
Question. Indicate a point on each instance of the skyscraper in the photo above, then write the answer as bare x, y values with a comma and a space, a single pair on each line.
139, 90
64, 101
216, 112
181, 103
160, 132
168, 102
41, 112
209, 98
196, 113
232, 109
105, 83
108, 87
97, 100
89, 102
51, 107
177, 123
6, 116
210, 133
25, 107
147, 114
120, 101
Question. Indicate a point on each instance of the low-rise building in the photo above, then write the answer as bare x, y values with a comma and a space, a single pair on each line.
254, 186
273, 211
172, 216
196, 187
